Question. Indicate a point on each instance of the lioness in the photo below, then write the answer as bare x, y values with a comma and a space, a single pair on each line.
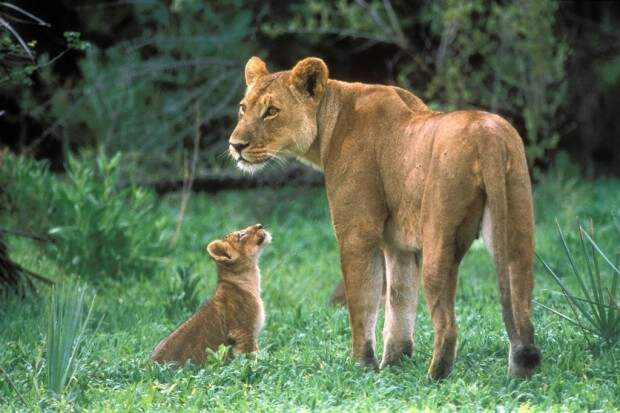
235, 315
415, 185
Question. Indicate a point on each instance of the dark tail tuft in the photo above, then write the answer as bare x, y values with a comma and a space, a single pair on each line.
527, 356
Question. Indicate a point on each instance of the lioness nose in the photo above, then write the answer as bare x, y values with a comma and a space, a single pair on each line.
239, 146
258, 226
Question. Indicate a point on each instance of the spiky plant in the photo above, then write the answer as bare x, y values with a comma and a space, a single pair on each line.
595, 303
66, 321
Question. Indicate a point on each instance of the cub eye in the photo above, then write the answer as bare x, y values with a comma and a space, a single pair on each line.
271, 112
241, 236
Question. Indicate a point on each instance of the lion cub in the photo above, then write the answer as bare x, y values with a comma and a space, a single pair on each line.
235, 315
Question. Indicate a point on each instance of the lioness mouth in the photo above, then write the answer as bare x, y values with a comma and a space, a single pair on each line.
248, 166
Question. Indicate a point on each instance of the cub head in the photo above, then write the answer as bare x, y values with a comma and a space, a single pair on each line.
240, 249
278, 112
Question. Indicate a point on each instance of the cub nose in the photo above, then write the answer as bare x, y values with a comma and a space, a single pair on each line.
258, 226
239, 146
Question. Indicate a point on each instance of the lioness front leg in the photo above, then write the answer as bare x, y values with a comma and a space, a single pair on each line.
363, 278
400, 304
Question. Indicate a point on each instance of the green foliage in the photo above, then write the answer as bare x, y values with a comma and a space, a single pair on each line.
373, 21
122, 232
563, 185
596, 306
97, 227
521, 69
67, 319
182, 294
74, 41
17, 56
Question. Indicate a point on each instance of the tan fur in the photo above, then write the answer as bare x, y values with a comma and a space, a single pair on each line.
406, 185
235, 315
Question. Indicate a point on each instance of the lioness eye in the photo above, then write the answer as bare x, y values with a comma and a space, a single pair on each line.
241, 109
241, 236
271, 111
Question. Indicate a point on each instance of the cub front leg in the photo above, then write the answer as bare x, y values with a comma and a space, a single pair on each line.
363, 278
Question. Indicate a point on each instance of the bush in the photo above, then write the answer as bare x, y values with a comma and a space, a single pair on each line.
96, 227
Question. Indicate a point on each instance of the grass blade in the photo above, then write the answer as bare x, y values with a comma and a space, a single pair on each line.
602, 254
569, 255
593, 316
574, 304
589, 263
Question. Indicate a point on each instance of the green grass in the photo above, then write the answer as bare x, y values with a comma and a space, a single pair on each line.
304, 361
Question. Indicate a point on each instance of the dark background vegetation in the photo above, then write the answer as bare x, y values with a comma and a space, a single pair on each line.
156, 72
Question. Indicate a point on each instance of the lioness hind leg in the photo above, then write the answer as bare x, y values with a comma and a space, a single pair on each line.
400, 305
440, 277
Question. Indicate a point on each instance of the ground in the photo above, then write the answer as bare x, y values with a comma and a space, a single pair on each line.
304, 362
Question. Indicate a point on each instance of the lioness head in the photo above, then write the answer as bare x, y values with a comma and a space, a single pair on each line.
278, 112
241, 248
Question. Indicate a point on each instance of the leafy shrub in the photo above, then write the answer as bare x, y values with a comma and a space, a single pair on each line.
66, 324
595, 307
96, 227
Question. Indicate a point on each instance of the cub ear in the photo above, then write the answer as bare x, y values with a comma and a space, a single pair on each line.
221, 252
309, 78
254, 69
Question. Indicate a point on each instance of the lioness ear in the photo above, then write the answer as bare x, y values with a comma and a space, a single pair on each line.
254, 69
221, 252
309, 77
